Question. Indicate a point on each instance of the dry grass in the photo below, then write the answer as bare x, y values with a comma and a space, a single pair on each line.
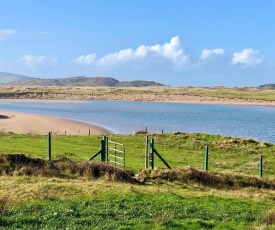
210, 179
269, 217
3, 203
21, 165
117, 93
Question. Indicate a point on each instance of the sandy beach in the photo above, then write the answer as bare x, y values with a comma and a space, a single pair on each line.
22, 123
173, 98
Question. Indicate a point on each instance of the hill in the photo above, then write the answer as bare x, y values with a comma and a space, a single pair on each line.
81, 81
9, 77
269, 86
139, 83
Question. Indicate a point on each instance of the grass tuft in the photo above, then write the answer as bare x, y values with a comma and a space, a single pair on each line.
210, 179
21, 165
269, 217
3, 203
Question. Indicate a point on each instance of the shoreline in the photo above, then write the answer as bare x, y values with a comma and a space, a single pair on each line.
185, 99
25, 123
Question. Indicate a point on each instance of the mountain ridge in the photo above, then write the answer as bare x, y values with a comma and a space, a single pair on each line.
9, 77
82, 81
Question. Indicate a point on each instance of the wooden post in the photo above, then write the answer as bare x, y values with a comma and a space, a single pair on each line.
162, 159
151, 158
261, 166
206, 159
49, 147
102, 152
104, 146
89, 132
146, 152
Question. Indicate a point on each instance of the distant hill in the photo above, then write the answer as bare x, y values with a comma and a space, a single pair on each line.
139, 83
82, 81
9, 77
270, 86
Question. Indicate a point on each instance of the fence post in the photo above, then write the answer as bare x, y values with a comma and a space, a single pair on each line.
151, 158
104, 149
146, 152
102, 153
49, 147
261, 166
206, 159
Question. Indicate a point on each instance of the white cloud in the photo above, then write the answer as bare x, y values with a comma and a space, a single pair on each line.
171, 51
33, 61
86, 59
208, 54
247, 57
4, 34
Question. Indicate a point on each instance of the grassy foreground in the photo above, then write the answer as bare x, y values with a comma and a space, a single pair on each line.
33, 202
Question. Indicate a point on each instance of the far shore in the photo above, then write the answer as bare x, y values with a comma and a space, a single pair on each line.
185, 99
23, 123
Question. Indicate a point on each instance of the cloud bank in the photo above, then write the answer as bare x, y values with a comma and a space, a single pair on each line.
34, 61
172, 52
247, 57
5, 34
166, 63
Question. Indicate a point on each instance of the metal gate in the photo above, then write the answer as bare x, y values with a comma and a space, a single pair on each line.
116, 154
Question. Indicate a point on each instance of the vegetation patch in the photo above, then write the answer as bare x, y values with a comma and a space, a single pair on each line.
21, 165
211, 179
138, 211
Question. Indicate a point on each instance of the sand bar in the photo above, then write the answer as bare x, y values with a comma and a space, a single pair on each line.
23, 123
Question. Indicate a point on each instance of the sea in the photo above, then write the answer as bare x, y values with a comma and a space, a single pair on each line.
123, 117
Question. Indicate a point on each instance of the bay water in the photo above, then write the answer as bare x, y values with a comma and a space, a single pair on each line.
257, 122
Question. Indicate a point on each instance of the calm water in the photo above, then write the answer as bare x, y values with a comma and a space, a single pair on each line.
256, 122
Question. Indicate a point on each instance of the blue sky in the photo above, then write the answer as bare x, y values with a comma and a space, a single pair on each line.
175, 42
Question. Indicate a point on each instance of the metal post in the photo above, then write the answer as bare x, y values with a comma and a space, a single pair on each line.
146, 152
206, 159
49, 147
151, 154
261, 166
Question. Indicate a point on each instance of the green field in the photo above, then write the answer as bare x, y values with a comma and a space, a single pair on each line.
34, 202
226, 154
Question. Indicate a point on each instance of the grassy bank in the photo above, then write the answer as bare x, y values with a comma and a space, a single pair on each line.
226, 154
167, 200
109, 93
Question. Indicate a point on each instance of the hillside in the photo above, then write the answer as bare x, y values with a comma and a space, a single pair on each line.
268, 86
9, 77
81, 81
